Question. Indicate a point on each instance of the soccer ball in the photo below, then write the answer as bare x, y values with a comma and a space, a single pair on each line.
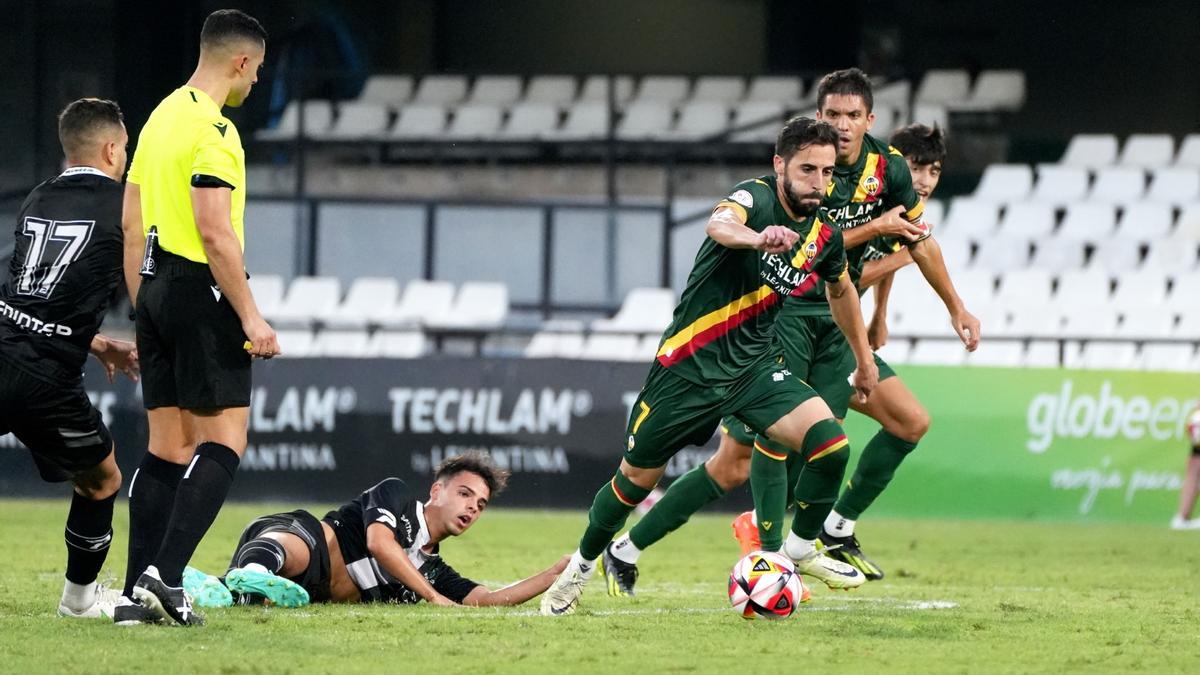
764, 585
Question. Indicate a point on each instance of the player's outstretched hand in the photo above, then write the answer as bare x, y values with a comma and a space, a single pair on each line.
967, 327
864, 379
261, 338
776, 239
877, 333
893, 224
116, 355
442, 601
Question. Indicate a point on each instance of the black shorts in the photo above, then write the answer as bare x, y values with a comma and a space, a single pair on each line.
314, 579
56, 421
190, 340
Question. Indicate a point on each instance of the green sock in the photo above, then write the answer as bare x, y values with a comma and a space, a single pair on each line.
826, 452
876, 466
768, 482
607, 516
688, 494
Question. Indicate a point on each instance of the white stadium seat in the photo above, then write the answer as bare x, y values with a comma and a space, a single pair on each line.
935, 213
938, 352
529, 121
318, 117
308, 300
1185, 289
479, 305
942, 87
267, 290
645, 120
999, 353
1005, 183
1188, 327
1042, 354
1167, 357
1026, 219
956, 251
555, 90
1003, 254
1174, 185
645, 310
341, 344
1188, 224
1084, 321
1118, 185
420, 122
1090, 151
1189, 152
420, 302
897, 93
647, 347
1088, 221
586, 121
670, 89
1016, 290
719, 88
993, 320
1060, 253
475, 122
398, 344
1116, 256
606, 347
295, 344
1060, 185
1108, 356
975, 286
763, 119
1089, 287
1034, 320
701, 119
1146, 323
595, 88
1147, 151
441, 90
970, 217
359, 121
1173, 255
496, 90
1140, 289
554, 344
996, 90
368, 302
391, 91
783, 89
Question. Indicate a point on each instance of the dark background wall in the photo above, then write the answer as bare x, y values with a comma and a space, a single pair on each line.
1121, 67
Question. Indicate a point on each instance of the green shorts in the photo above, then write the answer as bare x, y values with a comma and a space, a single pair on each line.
817, 352
672, 413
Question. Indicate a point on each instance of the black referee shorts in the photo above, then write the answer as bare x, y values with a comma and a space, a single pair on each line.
56, 421
301, 523
189, 340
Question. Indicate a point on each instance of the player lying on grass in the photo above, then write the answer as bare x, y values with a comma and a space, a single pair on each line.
380, 547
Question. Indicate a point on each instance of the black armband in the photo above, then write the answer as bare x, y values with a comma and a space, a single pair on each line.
202, 180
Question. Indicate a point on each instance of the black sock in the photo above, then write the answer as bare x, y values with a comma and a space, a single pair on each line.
266, 552
197, 503
151, 498
88, 535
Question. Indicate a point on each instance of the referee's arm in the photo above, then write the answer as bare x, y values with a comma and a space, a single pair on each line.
135, 239
211, 208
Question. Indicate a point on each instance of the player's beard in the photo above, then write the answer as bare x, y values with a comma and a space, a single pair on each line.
794, 200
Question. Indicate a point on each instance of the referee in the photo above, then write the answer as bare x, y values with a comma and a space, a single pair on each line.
183, 209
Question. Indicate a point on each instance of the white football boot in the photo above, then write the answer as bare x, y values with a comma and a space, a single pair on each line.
102, 606
835, 573
563, 595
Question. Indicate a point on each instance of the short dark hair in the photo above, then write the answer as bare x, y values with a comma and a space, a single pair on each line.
800, 132
228, 25
478, 463
922, 144
80, 123
849, 82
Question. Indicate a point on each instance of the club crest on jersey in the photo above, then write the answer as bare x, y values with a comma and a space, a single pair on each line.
630, 442
810, 250
743, 197
870, 185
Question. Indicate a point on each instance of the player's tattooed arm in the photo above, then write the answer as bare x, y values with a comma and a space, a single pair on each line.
516, 593
928, 256
381, 542
728, 228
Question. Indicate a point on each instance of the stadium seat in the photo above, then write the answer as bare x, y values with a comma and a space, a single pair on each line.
935, 213
897, 93
359, 121
645, 310
956, 251
971, 218
318, 117
1024, 219
528, 121
1060, 185
1188, 224
554, 344
398, 344
1002, 254
1150, 322
1167, 357
1017, 289
1147, 151
762, 119
350, 344
647, 347
997, 353
308, 300
1116, 255
475, 122
267, 290
1108, 356
420, 302
700, 119
1189, 152
976, 286
586, 121
670, 89
943, 87
1033, 320
441, 90
391, 91
1088, 222
555, 90
993, 319
931, 114
1188, 327
1090, 151
1185, 289
420, 122
501, 91
645, 120
1140, 289
938, 352
1173, 255
719, 89
995, 90
783, 89
1174, 185
595, 89
606, 347
1088, 321
1042, 354
368, 302
1060, 253
294, 344
896, 351
1118, 185
479, 305
1088, 287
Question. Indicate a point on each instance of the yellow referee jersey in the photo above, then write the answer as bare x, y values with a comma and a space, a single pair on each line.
186, 135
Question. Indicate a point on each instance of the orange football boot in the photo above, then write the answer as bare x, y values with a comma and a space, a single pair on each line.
746, 533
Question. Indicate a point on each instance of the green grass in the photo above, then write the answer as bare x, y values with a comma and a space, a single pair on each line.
961, 596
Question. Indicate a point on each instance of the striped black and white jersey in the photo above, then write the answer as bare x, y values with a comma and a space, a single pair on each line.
392, 503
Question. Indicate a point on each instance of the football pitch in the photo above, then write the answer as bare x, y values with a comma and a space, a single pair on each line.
960, 596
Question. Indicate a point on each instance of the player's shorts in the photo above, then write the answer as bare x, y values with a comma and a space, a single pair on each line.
817, 352
189, 340
315, 578
672, 413
57, 422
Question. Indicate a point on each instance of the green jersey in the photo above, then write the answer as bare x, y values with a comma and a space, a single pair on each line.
858, 194
723, 323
